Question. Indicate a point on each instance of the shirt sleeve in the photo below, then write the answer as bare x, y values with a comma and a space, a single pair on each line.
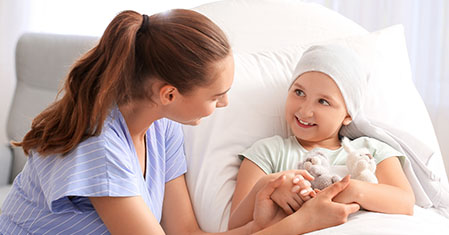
97, 167
264, 153
382, 151
175, 161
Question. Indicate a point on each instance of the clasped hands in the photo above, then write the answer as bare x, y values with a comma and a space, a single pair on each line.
290, 194
294, 190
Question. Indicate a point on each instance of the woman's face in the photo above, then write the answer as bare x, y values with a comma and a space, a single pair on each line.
201, 102
315, 110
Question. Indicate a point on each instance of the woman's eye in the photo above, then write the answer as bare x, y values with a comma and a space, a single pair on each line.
299, 92
324, 102
216, 98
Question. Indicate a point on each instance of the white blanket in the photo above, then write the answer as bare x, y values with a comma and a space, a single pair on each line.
424, 221
431, 190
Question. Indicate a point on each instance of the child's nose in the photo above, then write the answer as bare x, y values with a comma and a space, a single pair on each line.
306, 110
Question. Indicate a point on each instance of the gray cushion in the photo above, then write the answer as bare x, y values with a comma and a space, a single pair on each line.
5, 164
42, 62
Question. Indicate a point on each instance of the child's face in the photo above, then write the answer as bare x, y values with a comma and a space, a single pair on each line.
315, 110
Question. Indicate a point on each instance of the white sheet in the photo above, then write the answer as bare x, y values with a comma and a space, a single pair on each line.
424, 221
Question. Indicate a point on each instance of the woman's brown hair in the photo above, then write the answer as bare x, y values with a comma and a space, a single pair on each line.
178, 47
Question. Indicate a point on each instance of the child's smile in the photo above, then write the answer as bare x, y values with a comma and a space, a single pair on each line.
304, 124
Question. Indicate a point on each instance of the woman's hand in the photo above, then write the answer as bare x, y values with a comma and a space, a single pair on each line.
317, 213
393, 194
351, 193
250, 180
265, 209
322, 212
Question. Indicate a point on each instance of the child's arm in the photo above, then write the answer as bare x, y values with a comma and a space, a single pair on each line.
393, 194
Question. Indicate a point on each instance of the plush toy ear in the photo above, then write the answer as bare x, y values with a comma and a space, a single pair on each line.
347, 145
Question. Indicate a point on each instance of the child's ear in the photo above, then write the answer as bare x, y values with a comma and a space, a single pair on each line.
168, 94
347, 120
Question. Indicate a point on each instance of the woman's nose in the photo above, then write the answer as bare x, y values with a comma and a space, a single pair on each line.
223, 101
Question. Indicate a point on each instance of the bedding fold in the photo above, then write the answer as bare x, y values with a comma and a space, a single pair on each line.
431, 190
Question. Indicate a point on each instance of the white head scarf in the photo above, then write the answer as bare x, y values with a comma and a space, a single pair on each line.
343, 66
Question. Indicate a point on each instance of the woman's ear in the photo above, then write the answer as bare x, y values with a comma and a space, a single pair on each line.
168, 94
347, 120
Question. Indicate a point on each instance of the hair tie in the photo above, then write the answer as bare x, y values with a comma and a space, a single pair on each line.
145, 22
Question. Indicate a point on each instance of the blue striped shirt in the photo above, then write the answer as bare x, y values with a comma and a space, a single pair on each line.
50, 195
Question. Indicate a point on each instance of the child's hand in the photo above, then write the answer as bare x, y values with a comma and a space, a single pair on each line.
303, 188
286, 196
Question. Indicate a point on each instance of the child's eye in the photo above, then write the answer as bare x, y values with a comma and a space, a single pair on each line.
324, 102
299, 92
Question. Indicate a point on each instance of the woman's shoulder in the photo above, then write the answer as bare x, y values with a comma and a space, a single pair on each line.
166, 125
113, 137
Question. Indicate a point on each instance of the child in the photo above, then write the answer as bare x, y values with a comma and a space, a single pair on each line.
325, 96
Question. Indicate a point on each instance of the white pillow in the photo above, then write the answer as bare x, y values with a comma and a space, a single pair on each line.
256, 25
256, 111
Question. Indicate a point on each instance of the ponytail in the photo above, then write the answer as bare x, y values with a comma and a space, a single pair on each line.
94, 83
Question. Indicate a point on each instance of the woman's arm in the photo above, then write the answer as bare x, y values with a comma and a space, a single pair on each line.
393, 194
126, 215
250, 179
177, 212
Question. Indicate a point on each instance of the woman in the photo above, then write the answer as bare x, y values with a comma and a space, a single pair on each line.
108, 155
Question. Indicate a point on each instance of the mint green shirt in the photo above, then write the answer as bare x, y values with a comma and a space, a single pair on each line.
276, 154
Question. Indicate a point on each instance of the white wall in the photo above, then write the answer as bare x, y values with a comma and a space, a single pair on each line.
17, 17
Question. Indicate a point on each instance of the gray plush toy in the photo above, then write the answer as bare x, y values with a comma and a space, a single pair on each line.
317, 165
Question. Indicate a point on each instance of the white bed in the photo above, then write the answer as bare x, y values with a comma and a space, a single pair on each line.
268, 38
